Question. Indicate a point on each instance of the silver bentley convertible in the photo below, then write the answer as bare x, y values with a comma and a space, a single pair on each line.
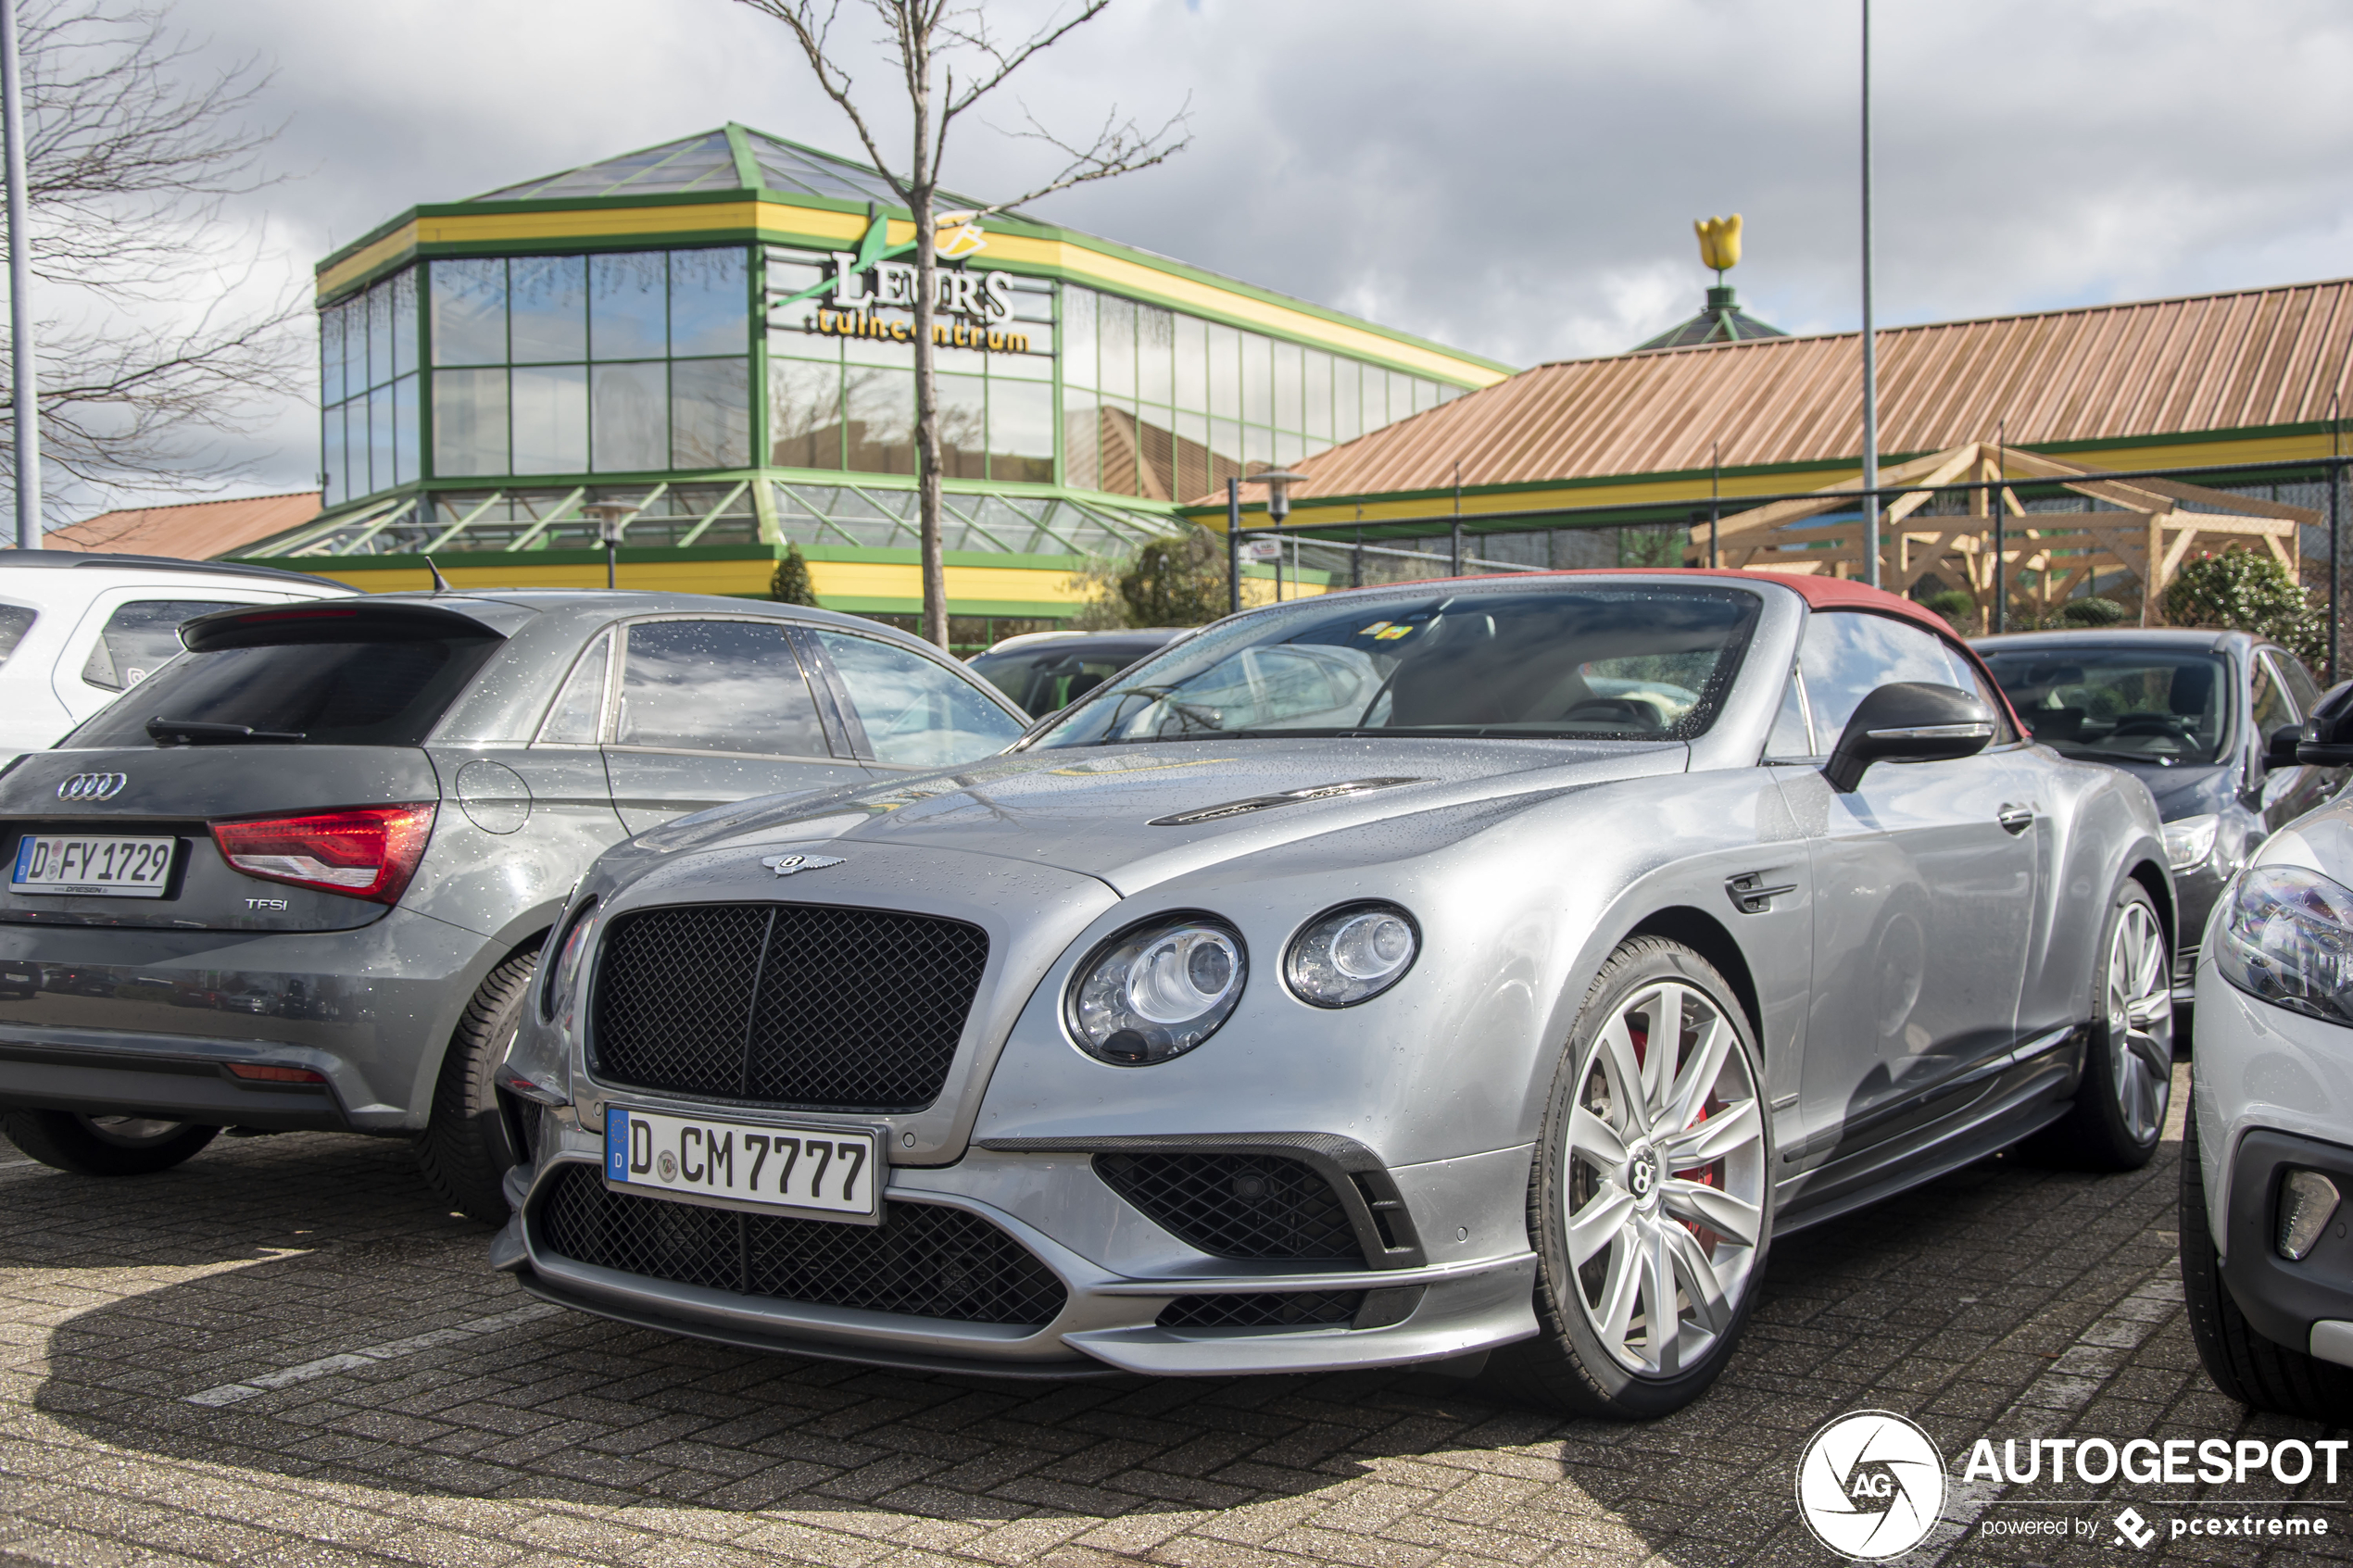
1399, 976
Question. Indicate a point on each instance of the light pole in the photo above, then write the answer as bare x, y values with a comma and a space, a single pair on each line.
1870, 346
613, 518
1277, 483
23, 352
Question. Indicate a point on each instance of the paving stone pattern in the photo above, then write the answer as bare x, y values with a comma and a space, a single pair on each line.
286, 1353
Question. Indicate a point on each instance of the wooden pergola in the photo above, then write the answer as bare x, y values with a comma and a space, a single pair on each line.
2143, 530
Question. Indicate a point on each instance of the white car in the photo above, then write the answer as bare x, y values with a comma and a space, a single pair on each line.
76, 629
2267, 1260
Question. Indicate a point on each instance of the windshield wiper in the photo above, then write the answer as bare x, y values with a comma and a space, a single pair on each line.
196, 731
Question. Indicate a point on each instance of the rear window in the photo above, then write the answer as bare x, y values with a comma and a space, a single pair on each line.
375, 693
142, 637
14, 622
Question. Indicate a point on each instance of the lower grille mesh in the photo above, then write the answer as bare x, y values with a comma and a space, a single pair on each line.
1268, 1311
923, 1260
1237, 1205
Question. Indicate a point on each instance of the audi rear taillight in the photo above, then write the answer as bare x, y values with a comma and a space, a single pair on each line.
367, 852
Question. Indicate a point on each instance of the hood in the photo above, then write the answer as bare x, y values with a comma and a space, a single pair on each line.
2189, 791
1135, 815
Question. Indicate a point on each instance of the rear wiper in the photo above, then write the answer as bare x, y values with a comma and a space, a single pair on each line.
196, 732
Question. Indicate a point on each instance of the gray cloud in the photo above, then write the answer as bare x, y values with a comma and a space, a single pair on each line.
1515, 178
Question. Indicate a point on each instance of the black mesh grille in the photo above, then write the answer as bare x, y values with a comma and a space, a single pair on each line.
1236, 1205
787, 1004
1262, 1312
923, 1260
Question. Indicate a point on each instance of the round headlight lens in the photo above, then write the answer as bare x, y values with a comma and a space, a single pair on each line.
1352, 955
1157, 991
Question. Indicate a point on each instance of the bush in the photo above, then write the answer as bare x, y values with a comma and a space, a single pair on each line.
1177, 580
1959, 609
2243, 590
2092, 611
790, 585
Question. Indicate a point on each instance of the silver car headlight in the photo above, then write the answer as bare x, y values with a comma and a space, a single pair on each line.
1157, 990
1352, 955
2190, 842
2287, 937
556, 998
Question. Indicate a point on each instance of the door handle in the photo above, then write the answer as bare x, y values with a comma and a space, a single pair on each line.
2014, 819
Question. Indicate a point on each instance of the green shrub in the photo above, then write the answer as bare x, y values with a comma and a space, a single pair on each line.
2092, 611
790, 585
1957, 607
1177, 580
2243, 590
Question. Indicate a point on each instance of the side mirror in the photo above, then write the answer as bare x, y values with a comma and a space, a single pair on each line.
2280, 750
2327, 740
1908, 722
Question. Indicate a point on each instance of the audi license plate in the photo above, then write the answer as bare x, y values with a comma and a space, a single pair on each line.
817, 1172
113, 868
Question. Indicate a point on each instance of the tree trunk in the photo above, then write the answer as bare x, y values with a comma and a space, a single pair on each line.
927, 503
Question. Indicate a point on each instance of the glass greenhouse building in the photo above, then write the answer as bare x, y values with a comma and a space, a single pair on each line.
711, 336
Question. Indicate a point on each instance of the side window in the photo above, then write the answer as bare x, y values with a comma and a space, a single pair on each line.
141, 638
717, 685
14, 622
913, 712
1848, 654
1791, 740
2266, 702
2301, 688
578, 716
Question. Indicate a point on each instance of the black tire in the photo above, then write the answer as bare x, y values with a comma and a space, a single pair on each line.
2119, 1115
1570, 1366
103, 1146
468, 1146
2245, 1366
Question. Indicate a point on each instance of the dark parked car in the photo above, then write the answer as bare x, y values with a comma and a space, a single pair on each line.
1045, 671
296, 877
2196, 716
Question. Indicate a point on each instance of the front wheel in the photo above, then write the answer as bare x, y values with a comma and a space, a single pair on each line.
2128, 1069
1648, 1204
103, 1146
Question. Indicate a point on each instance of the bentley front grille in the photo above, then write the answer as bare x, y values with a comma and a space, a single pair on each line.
794, 1005
1235, 1205
924, 1260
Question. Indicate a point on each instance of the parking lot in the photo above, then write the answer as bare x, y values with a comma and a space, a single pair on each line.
285, 1352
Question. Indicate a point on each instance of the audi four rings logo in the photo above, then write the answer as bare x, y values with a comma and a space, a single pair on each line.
93, 787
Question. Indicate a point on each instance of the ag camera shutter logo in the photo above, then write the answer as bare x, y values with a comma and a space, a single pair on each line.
1870, 1485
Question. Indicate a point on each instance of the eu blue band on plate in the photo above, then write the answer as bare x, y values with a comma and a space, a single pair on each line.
616, 1143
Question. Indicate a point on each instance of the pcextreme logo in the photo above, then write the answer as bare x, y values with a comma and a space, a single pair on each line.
1870, 1485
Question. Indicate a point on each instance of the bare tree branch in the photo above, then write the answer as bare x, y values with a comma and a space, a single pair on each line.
923, 37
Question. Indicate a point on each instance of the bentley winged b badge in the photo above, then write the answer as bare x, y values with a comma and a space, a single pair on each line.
784, 865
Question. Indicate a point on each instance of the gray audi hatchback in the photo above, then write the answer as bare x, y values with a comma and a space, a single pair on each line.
296, 879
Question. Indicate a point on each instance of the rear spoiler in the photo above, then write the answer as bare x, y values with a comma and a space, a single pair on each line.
329, 620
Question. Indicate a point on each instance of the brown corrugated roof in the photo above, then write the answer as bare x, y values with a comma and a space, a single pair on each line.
198, 531
2167, 367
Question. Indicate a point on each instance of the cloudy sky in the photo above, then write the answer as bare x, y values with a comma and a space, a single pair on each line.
1514, 177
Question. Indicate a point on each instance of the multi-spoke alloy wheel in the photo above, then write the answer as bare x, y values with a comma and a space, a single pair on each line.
2140, 1019
1648, 1203
1666, 1169
2119, 1107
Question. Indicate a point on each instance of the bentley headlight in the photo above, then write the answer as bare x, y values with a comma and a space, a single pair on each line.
563, 975
1157, 991
1352, 955
2286, 937
2190, 842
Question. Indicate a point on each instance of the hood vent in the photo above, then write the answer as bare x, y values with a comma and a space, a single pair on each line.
1287, 797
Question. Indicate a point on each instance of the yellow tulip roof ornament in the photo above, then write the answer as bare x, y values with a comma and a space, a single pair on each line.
1720, 242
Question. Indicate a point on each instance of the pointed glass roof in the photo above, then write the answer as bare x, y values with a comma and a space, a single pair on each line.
707, 162
1721, 322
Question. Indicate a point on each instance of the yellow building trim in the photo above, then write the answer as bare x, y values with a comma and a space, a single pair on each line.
904, 580
832, 579
1076, 261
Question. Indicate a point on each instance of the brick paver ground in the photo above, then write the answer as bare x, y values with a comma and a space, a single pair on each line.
371, 1394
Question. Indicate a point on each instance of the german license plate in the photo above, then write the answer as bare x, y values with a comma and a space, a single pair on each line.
818, 1172
113, 868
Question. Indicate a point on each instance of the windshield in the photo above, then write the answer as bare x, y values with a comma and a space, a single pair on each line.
2118, 704
1047, 679
1607, 663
